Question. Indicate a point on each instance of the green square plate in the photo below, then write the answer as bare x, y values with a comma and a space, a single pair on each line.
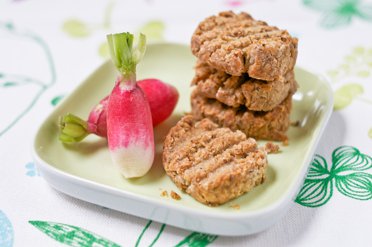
85, 170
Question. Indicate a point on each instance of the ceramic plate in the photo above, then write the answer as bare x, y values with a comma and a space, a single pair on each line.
85, 170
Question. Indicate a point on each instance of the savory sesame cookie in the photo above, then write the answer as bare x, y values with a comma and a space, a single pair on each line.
271, 125
237, 44
234, 91
212, 164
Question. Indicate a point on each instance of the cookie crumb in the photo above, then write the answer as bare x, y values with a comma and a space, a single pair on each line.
164, 193
296, 123
271, 148
235, 206
285, 142
175, 196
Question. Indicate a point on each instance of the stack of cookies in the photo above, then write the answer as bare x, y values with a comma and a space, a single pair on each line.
244, 75
244, 85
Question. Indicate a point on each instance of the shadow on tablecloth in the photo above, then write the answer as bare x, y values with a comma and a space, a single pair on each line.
333, 136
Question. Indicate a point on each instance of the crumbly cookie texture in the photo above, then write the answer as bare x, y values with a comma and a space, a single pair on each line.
235, 91
237, 44
271, 125
212, 164
271, 148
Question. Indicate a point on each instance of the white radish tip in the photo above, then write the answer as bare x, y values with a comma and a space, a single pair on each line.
133, 161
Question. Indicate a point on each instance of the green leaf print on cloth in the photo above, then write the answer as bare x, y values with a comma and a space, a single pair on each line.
72, 235
153, 29
21, 86
77, 28
338, 13
353, 71
78, 237
347, 174
138, 242
197, 239
345, 95
357, 64
57, 99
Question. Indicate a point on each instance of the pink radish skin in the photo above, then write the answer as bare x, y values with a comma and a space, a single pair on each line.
162, 99
161, 96
97, 120
130, 133
129, 130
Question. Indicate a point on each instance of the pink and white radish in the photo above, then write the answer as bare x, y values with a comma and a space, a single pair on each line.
161, 96
129, 123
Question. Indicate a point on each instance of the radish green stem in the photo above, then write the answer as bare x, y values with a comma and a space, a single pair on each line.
124, 56
72, 129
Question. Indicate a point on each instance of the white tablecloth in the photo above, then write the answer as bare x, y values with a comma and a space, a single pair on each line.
48, 47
